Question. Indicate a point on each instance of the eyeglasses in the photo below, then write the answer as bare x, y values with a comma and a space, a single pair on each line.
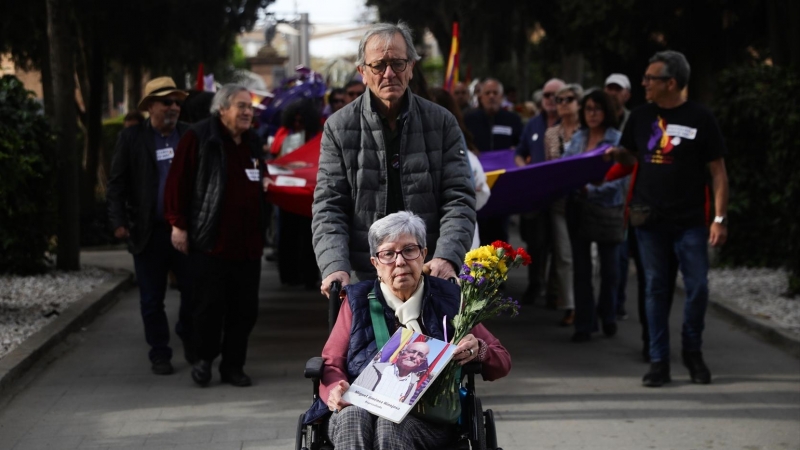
648, 78
168, 102
416, 353
379, 67
409, 253
566, 100
593, 110
549, 95
241, 106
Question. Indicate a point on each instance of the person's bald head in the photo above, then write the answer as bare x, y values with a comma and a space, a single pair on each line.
412, 357
549, 91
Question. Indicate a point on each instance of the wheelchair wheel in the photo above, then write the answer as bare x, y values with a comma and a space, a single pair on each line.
478, 435
491, 431
302, 435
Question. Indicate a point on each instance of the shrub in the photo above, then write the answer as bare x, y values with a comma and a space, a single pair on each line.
27, 180
759, 113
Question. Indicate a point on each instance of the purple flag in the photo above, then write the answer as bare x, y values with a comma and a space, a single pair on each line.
529, 188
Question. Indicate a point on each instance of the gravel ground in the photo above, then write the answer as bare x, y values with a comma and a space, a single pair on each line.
758, 291
29, 303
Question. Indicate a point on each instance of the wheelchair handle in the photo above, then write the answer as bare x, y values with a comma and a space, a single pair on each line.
333, 304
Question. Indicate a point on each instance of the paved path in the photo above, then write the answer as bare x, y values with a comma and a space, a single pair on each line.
96, 390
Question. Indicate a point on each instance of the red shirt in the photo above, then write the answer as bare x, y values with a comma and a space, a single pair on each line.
239, 235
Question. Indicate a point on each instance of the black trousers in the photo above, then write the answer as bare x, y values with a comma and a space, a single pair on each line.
226, 302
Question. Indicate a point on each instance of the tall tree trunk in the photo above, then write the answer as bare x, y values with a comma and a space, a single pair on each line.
47, 85
62, 65
133, 78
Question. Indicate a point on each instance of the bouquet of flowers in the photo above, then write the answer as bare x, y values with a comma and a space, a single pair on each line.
484, 270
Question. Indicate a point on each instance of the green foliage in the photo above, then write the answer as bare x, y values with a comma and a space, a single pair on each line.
238, 59
27, 180
759, 113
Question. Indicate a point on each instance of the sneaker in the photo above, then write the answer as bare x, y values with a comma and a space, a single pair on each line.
162, 367
658, 374
698, 371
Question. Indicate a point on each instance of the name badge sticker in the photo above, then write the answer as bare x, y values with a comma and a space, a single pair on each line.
165, 154
253, 174
501, 129
682, 131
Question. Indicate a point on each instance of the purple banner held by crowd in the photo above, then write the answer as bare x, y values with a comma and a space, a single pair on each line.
529, 188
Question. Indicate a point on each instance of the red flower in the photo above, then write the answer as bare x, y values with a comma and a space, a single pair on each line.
509, 250
526, 258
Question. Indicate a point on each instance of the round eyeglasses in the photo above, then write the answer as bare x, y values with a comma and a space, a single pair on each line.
408, 253
379, 67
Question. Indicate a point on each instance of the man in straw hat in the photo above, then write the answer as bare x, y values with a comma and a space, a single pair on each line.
136, 212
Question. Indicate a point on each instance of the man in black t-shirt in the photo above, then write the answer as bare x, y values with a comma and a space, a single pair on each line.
676, 144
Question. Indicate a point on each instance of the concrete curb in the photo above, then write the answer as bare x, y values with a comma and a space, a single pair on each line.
764, 329
78, 314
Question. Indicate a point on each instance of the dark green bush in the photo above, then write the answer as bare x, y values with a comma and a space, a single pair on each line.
27, 180
759, 113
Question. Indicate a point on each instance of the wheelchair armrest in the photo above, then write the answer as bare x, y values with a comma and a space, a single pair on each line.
314, 367
472, 367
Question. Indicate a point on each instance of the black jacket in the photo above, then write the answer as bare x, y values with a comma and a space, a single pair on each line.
209, 185
133, 184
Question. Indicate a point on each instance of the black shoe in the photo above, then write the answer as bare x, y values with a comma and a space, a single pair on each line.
162, 367
201, 372
609, 329
698, 371
236, 378
646, 352
658, 375
581, 336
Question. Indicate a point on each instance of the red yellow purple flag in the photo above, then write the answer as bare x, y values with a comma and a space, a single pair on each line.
451, 77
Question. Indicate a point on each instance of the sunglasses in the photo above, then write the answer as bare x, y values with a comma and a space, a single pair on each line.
649, 78
566, 100
549, 95
168, 102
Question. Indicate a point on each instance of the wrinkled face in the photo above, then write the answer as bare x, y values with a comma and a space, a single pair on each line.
618, 93
593, 114
164, 111
549, 96
239, 115
461, 95
390, 84
401, 275
567, 104
413, 356
656, 84
491, 96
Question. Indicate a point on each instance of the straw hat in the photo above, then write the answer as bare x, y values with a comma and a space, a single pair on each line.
160, 87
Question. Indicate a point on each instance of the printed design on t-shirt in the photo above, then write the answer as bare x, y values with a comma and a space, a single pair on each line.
660, 144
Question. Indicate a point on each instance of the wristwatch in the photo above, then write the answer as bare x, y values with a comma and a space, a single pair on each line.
722, 220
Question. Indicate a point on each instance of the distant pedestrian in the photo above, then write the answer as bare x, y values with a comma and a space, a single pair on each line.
677, 144
135, 196
215, 204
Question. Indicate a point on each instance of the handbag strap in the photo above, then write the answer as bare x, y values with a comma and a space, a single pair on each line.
378, 321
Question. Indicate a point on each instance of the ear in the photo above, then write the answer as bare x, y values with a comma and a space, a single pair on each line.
360, 70
411, 65
424, 253
373, 261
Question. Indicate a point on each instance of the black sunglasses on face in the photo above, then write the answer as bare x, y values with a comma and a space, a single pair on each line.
566, 100
168, 102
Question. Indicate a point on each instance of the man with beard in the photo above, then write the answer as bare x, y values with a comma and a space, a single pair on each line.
136, 213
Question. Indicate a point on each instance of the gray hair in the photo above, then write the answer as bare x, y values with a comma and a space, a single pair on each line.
499, 84
222, 99
395, 225
675, 66
385, 32
574, 88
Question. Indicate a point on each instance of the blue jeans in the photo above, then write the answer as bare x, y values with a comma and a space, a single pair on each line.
690, 245
152, 266
586, 313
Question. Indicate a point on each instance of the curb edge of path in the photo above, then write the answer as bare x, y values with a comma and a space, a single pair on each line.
762, 328
83, 311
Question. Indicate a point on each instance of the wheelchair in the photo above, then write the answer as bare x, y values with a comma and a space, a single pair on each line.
476, 427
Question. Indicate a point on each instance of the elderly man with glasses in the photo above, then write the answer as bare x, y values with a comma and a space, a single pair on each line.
142, 159
388, 151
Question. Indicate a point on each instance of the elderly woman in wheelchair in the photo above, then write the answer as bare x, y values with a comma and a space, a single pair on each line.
409, 299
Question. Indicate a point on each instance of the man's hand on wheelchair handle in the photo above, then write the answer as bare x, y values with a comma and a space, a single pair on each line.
335, 402
439, 268
340, 276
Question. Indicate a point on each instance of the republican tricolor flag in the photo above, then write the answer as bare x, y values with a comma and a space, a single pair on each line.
451, 77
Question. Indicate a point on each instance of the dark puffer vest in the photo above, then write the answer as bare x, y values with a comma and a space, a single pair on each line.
439, 298
209, 186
